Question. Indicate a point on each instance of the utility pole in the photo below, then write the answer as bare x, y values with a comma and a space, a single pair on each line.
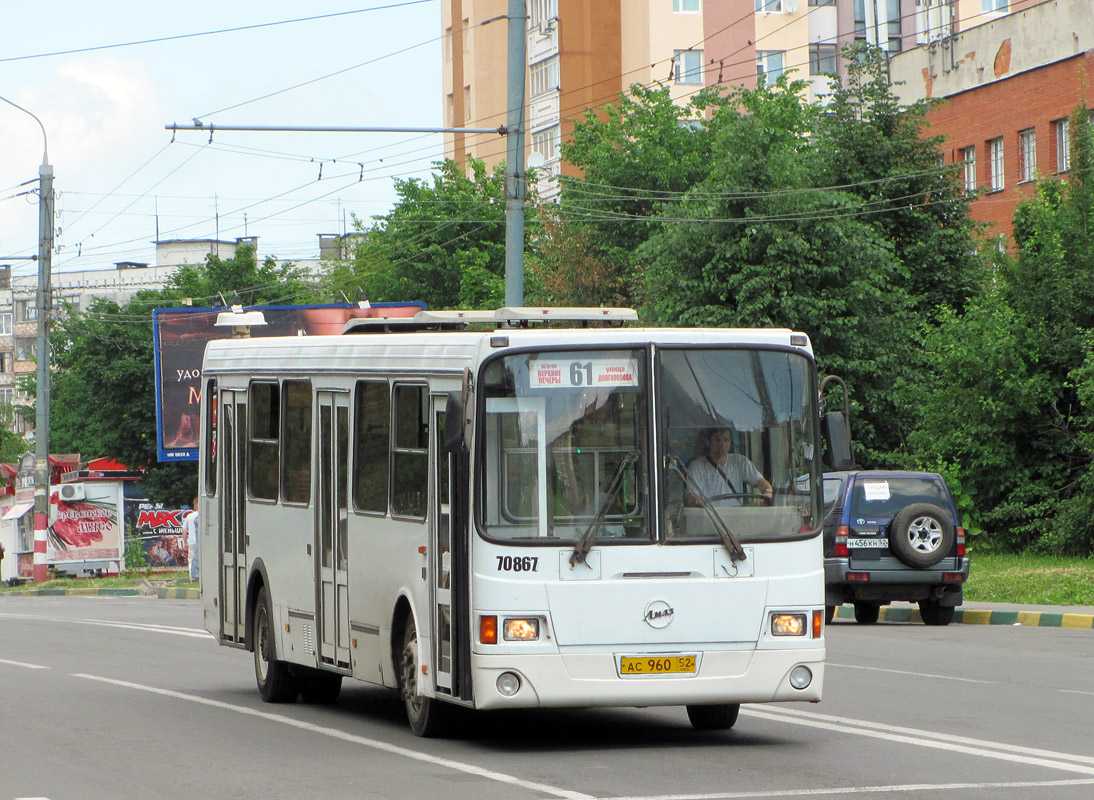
515, 184
43, 307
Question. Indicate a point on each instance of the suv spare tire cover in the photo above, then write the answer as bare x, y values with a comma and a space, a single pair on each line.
921, 535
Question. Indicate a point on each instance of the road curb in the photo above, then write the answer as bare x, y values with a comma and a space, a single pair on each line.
162, 593
977, 616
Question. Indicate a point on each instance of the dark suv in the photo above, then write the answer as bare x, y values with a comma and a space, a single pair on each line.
892, 535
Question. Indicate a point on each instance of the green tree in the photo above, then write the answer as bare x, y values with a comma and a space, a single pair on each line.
443, 243
1007, 397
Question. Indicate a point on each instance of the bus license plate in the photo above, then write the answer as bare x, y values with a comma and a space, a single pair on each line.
657, 665
867, 542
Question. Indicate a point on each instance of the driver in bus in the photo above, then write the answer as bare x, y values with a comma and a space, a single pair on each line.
722, 475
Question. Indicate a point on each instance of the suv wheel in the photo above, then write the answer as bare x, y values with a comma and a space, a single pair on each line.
921, 535
867, 613
935, 614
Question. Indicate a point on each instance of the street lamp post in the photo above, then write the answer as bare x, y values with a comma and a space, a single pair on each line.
43, 307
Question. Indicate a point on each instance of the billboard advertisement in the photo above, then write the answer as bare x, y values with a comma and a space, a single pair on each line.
160, 531
180, 336
85, 524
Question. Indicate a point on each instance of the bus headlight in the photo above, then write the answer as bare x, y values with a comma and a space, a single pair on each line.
788, 625
521, 630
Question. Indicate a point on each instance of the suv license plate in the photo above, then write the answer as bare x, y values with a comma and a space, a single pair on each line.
867, 542
657, 665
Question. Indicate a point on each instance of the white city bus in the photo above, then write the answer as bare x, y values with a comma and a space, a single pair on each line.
507, 518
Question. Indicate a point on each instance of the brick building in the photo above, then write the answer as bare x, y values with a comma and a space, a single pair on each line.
1009, 87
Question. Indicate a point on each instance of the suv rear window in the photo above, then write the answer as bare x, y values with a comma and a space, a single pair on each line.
884, 497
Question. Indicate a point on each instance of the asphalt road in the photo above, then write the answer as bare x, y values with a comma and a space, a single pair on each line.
126, 697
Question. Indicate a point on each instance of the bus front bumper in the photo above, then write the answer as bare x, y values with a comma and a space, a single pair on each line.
583, 680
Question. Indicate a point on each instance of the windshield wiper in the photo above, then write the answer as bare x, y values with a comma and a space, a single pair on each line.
586, 541
731, 542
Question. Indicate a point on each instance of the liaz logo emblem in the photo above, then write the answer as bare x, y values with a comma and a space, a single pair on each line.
658, 614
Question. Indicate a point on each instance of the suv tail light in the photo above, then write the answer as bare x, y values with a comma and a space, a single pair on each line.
960, 542
841, 541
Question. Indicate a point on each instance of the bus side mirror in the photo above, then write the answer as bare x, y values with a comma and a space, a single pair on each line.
837, 433
454, 440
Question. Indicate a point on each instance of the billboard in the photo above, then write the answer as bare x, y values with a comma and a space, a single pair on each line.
85, 524
180, 336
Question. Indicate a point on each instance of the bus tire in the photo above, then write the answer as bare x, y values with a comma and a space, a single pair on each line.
275, 682
317, 686
720, 717
425, 714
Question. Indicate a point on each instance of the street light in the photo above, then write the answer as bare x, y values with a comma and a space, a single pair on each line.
44, 306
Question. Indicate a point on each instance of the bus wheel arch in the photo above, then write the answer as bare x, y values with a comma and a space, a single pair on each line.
426, 715
256, 583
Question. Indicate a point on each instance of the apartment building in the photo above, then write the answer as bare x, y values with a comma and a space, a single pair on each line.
1009, 85
582, 54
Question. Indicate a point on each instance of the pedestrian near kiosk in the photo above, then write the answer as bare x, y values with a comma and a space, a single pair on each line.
190, 525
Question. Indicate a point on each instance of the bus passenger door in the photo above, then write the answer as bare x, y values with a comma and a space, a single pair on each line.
232, 498
440, 545
332, 524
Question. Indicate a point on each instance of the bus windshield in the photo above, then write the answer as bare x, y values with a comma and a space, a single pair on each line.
566, 444
739, 435
566, 448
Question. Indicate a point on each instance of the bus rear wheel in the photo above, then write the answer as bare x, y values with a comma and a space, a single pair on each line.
425, 714
275, 682
714, 718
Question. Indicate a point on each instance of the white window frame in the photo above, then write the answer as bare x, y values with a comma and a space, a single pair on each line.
997, 6
968, 168
1027, 155
5, 324
995, 158
686, 6
819, 55
1062, 130
763, 64
687, 67
543, 77
546, 142
769, 6
541, 12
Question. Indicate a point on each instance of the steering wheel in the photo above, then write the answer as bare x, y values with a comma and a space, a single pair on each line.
746, 498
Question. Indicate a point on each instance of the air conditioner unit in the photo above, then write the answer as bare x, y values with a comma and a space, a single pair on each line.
71, 491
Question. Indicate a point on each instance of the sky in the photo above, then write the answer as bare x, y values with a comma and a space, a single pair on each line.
122, 181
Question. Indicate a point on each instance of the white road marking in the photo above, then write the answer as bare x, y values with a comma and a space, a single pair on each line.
22, 664
906, 672
852, 790
1076, 691
197, 633
334, 733
938, 741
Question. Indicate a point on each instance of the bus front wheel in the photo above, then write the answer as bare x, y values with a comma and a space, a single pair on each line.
714, 718
425, 714
275, 682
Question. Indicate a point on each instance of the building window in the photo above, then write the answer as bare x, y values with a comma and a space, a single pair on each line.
968, 161
994, 5
687, 66
1063, 144
447, 44
822, 2
7, 395
542, 12
546, 142
5, 360
1027, 155
543, 77
25, 311
451, 111
995, 153
769, 5
822, 59
769, 64
25, 349
681, 6
466, 104
5, 321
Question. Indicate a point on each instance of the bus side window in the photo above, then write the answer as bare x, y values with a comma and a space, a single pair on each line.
296, 441
211, 400
371, 426
410, 451
263, 451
